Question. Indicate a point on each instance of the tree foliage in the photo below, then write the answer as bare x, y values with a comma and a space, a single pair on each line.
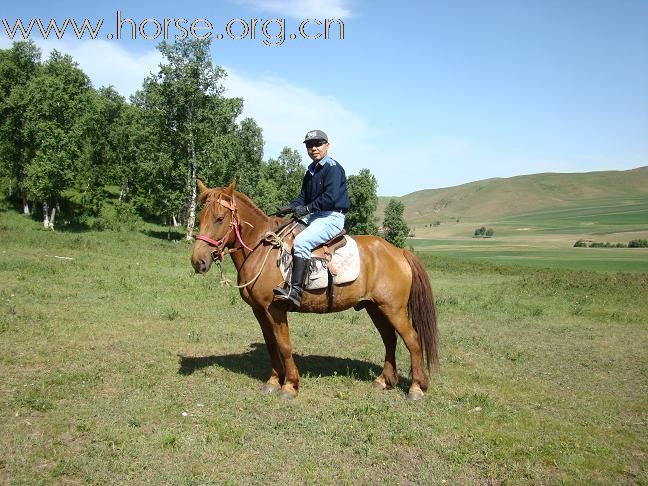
184, 97
18, 66
54, 106
394, 225
107, 160
483, 232
364, 200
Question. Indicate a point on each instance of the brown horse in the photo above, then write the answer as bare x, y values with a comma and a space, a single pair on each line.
392, 286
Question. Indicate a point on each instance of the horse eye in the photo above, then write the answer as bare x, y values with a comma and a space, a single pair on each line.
219, 219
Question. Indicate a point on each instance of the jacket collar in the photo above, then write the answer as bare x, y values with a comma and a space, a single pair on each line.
323, 161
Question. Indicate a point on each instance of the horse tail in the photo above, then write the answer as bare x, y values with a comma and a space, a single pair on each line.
422, 312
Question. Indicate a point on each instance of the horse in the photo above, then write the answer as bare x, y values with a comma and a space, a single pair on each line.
392, 286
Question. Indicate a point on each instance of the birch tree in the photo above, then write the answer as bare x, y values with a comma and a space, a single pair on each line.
183, 94
54, 104
18, 66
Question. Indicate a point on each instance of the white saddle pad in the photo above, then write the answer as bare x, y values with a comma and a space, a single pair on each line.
346, 262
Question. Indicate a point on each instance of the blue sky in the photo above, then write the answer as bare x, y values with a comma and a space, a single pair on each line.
424, 94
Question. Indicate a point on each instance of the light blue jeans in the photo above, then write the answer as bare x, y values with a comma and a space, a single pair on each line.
322, 226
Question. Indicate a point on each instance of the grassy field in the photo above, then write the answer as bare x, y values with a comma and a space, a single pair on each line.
497, 251
119, 365
546, 238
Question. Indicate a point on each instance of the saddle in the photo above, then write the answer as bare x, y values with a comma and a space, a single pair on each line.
324, 251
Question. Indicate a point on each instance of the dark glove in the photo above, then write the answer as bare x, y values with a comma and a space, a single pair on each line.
300, 211
284, 210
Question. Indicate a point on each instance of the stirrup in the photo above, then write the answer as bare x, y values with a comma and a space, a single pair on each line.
293, 295
281, 291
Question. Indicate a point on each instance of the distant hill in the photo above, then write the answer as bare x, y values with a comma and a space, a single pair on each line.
504, 197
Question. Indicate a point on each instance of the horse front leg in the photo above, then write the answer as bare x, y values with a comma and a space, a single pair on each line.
277, 376
278, 318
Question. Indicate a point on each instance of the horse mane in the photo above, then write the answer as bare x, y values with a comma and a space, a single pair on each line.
215, 193
255, 209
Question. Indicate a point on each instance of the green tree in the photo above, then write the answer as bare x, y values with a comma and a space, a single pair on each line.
183, 96
281, 180
362, 194
395, 227
18, 66
157, 185
108, 147
54, 105
249, 167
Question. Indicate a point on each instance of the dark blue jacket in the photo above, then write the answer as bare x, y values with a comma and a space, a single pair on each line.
324, 187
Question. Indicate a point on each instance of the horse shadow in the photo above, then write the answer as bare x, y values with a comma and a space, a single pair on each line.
255, 363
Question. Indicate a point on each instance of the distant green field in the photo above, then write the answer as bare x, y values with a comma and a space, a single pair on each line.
545, 238
594, 259
591, 218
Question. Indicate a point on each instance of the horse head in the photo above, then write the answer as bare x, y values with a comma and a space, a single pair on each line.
218, 225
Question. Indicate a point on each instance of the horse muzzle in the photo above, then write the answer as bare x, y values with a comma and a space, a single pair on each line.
201, 263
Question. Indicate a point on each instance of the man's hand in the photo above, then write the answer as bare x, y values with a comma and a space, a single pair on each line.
300, 211
284, 210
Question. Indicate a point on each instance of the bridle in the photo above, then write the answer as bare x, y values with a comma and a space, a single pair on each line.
235, 225
273, 240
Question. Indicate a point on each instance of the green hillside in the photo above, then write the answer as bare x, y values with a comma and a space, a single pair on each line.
530, 195
536, 219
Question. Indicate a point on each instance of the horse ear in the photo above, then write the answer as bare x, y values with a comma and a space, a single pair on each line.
201, 187
230, 189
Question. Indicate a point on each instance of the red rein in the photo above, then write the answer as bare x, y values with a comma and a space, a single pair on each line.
217, 253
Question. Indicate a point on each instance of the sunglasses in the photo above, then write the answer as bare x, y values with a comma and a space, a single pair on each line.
315, 143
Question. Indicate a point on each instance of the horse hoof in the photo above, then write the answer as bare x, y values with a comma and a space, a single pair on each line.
415, 396
269, 388
285, 395
379, 385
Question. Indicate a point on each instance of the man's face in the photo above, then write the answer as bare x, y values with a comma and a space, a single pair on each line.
317, 149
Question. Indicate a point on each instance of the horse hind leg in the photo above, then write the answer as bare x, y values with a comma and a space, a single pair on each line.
399, 319
389, 376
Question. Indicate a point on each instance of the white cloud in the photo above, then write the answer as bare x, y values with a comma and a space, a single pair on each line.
286, 112
302, 9
105, 62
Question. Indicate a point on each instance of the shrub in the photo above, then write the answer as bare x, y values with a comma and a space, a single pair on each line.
638, 244
484, 232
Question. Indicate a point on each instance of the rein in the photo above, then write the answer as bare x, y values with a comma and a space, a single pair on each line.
274, 239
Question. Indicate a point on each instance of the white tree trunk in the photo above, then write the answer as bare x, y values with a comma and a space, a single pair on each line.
191, 220
53, 216
175, 222
26, 211
123, 191
46, 215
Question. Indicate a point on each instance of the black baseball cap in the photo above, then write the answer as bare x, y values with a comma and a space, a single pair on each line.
315, 135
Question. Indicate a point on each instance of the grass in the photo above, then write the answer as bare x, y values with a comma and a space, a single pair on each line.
496, 251
545, 238
122, 366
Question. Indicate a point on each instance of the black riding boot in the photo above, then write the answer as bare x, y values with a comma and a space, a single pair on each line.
296, 289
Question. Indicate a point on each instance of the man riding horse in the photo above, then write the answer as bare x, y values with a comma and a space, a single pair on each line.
322, 203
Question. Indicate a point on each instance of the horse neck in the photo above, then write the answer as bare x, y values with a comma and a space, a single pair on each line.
251, 235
